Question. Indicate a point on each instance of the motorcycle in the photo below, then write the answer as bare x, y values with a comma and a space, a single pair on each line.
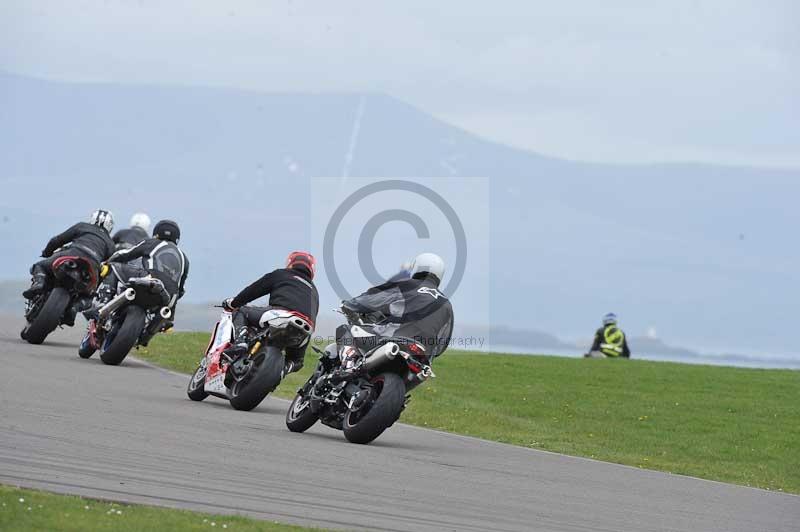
73, 277
246, 380
136, 314
365, 393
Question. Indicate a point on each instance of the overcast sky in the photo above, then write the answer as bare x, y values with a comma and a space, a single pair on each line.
617, 81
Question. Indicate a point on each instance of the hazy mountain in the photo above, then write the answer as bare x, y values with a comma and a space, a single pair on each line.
705, 253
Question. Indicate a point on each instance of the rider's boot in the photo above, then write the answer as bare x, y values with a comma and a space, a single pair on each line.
291, 366
156, 326
38, 284
239, 346
69, 316
80, 304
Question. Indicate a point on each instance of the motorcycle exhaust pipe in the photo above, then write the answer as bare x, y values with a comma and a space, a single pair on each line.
165, 313
384, 353
118, 301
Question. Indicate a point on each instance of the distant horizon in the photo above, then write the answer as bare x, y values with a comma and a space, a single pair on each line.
571, 345
478, 134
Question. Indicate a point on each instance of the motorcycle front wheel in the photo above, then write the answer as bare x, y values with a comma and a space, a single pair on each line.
126, 336
196, 389
48, 317
379, 413
300, 418
265, 375
85, 350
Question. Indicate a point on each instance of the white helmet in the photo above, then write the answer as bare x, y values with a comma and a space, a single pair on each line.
428, 263
103, 219
140, 219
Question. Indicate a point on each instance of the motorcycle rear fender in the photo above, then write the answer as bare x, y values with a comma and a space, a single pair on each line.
75, 268
277, 318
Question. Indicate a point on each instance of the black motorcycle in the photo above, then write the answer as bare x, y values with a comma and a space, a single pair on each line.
360, 387
72, 278
139, 311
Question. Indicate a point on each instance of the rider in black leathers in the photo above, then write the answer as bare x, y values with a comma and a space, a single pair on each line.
412, 308
88, 240
160, 257
291, 288
130, 236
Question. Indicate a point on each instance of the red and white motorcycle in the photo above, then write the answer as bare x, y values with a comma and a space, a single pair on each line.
247, 380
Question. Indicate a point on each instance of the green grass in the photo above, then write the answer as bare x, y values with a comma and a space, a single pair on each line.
29, 510
730, 424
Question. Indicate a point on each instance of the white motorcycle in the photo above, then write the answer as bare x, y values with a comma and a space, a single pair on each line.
246, 380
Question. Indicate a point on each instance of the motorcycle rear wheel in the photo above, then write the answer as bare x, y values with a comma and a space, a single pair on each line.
248, 393
363, 427
48, 318
126, 336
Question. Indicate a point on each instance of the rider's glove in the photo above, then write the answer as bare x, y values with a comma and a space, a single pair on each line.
227, 305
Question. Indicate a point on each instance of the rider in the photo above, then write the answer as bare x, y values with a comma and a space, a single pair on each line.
291, 288
609, 339
138, 231
411, 308
90, 241
160, 257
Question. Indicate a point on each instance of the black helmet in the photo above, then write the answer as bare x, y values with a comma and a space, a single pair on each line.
167, 230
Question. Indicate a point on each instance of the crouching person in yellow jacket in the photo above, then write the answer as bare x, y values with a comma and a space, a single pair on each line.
609, 340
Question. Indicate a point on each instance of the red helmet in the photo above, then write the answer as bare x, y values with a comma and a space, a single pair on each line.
302, 259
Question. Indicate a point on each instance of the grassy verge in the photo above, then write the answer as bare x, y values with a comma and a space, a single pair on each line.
27, 510
731, 424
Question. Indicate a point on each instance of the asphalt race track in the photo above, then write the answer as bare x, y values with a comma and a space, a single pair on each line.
130, 434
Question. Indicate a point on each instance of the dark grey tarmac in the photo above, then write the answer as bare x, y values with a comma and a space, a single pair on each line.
130, 434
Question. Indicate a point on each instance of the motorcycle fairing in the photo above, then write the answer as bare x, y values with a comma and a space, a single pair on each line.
220, 340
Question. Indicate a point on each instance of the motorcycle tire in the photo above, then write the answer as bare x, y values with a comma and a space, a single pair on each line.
126, 336
363, 427
300, 419
48, 318
263, 379
195, 390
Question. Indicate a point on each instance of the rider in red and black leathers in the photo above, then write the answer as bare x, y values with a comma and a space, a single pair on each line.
90, 241
291, 288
